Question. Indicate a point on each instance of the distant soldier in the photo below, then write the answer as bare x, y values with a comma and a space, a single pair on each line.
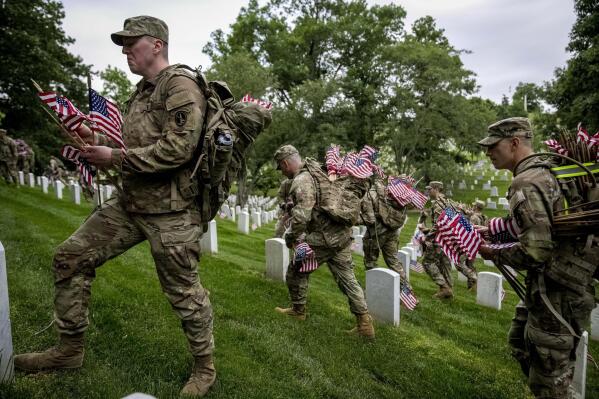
383, 218
435, 262
26, 156
56, 170
559, 292
285, 205
477, 217
8, 158
330, 241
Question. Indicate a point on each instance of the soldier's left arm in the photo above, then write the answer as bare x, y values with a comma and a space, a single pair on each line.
185, 105
530, 209
303, 193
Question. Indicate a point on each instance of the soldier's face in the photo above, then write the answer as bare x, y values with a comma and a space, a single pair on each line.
501, 154
139, 52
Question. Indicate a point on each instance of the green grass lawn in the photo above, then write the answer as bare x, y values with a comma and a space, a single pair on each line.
441, 350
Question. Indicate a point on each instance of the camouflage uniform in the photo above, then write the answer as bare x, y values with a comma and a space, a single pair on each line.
379, 235
284, 204
558, 272
8, 158
330, 241
161, 129
26, 156
434, 261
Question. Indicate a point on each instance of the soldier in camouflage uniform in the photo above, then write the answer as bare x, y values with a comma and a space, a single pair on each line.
330, 241
26, 156
382, 229
8, 158
161, 130
285, 205
477, 217
559, 296
436, 264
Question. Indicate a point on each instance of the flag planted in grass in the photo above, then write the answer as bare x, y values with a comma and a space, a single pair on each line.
408, 298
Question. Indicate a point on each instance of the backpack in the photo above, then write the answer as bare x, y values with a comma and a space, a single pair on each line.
339, 199
389, 210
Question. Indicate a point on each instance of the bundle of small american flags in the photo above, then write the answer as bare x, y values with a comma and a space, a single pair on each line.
86, 170
401, 190
67, 113
105, 117
457, 236
407, 297
249, 99
361, 165
582, 136
305, 256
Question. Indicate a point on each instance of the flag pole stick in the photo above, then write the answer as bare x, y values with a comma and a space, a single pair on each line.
89, 97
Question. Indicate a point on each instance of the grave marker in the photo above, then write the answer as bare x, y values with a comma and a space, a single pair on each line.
243, 223
6, 350
277, 259
209, 240
382, 295
489, 291
579, 380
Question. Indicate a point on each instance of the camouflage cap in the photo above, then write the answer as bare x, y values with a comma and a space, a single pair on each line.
435, 184
510, 127
478, 204
283, 152
141, 26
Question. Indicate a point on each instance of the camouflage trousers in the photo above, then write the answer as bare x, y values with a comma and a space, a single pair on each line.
9, 172
466, 267
437, 265
542, 345
110, 231
281, 225
341, 266
387, 243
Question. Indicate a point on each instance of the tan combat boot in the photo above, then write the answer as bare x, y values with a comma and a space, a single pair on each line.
202, 377
297, 311
68, 354
444, 292
364, 326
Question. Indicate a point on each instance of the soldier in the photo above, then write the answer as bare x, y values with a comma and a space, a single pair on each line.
559, 296
477, 218
383, 218
8, 158
26, 156
161, 130
330, 241
56, 170
285, 205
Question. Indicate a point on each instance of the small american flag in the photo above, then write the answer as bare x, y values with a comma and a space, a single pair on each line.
357, 167
503, 230
307, 257
106, 117
556, 146
407, 297
68, 114
417, 267
249, 99
456, 235
590, 141
86, 170
402, 192
333, 159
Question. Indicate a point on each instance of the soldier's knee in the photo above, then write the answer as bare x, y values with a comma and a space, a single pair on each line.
550, 353
70, 259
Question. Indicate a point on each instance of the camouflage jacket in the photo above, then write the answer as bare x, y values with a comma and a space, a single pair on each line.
478, 219
161, 129
283, 194
533, 196
307, 218
8, 150
437, 207
380, 210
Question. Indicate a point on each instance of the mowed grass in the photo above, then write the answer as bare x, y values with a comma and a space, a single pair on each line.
135, 344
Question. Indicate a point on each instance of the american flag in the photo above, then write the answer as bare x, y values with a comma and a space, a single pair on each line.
404, 193
556, 146
333, 159
417, 267
590, 141
456, 235
307, 257
357, 167
370, 153
503, 230
249, 99
407, 297
86, 170
68, 114
106, 117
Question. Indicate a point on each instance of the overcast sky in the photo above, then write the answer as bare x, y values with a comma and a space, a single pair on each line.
511, 40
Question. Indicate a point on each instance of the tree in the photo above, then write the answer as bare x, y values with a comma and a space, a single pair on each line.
34, 45
116, 85
575, 90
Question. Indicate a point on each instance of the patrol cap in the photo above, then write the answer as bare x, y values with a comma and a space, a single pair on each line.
478, 204
510, 127
141, 26
283, 152
3, 131
435, 184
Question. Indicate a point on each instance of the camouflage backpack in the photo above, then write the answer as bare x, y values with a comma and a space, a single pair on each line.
390, 212
339, 199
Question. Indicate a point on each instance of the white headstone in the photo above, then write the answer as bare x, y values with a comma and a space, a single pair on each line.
489, 263
21, 178
382, 295
505, 207
472, 188
494, 191
226, 210
265, 217
209, 240
358, 245
277, 259
38, 180
45, 184
59, 187
138, 395
31, 180
76, 193
237, 209
462, 185
503, 201
107, 192
579, 381
231, 216
6, 353
489, 291
405, 258
355, 231
595, 324
362, 230
243, 223
461, 277
475, 182
491, 205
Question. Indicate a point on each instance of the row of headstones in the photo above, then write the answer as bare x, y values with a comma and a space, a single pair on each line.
105, 191
247, 219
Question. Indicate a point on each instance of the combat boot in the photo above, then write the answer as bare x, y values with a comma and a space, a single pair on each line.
364, 326
444, 292
202, 377
297, 311
68, 354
